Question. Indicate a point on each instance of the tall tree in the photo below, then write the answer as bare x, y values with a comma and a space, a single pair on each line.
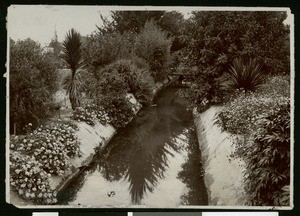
219, 37
72, 56
216, 38
132, 21
172, 22
153, 46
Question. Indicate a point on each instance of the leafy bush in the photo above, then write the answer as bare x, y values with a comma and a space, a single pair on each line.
218, 37
50, 145
90, 114
241, 115
128, 21
268, 159
119, 110
276, 85
246, 74
153, 45
123, 76
115, 81
111, 82
137, 79
32, 83
29, 180
203, 95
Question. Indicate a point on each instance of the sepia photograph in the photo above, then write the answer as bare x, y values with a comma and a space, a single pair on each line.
150, 107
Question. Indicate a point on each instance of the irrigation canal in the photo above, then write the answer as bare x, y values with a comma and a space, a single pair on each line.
154, 161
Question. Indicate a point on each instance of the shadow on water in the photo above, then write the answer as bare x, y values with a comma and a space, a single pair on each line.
193, 173
139, 152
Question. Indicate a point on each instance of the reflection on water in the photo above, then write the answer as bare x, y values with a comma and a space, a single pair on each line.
140, 155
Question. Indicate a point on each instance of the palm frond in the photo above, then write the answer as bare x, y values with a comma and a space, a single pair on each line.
246, 74
72, 50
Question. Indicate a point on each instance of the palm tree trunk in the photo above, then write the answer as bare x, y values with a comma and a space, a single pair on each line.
72, 94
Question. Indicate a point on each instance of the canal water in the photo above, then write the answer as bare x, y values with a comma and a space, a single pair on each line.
155, 161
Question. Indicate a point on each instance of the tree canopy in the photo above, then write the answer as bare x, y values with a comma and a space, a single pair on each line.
32, 83
216, 38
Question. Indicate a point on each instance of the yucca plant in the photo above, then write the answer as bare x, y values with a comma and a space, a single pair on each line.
72, 56
246, 74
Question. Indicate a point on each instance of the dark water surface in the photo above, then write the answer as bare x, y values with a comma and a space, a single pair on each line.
154, 161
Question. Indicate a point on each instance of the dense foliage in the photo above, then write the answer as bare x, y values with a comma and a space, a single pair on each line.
32, 83
242, 113
118, 79
268, 159
153, 45
124, 76
101, 50
118, 108
262, 121
130, 21
216, 38
171, 22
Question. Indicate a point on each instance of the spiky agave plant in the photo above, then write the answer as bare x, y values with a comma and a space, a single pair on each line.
72, 56
246, 74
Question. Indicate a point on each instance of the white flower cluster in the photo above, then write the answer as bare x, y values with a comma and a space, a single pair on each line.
47, 150
90, 114
29, 180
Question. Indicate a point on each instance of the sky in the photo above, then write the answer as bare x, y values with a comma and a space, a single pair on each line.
39, 22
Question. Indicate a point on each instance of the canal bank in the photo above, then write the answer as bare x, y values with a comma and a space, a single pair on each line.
223, 174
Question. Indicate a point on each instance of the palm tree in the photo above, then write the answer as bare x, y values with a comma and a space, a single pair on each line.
72, 57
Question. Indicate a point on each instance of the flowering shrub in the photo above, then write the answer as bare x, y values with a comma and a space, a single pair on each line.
276, 85
65, 133
241, 115
29, 180
90, 113
50, 145
39, 154
118, 108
